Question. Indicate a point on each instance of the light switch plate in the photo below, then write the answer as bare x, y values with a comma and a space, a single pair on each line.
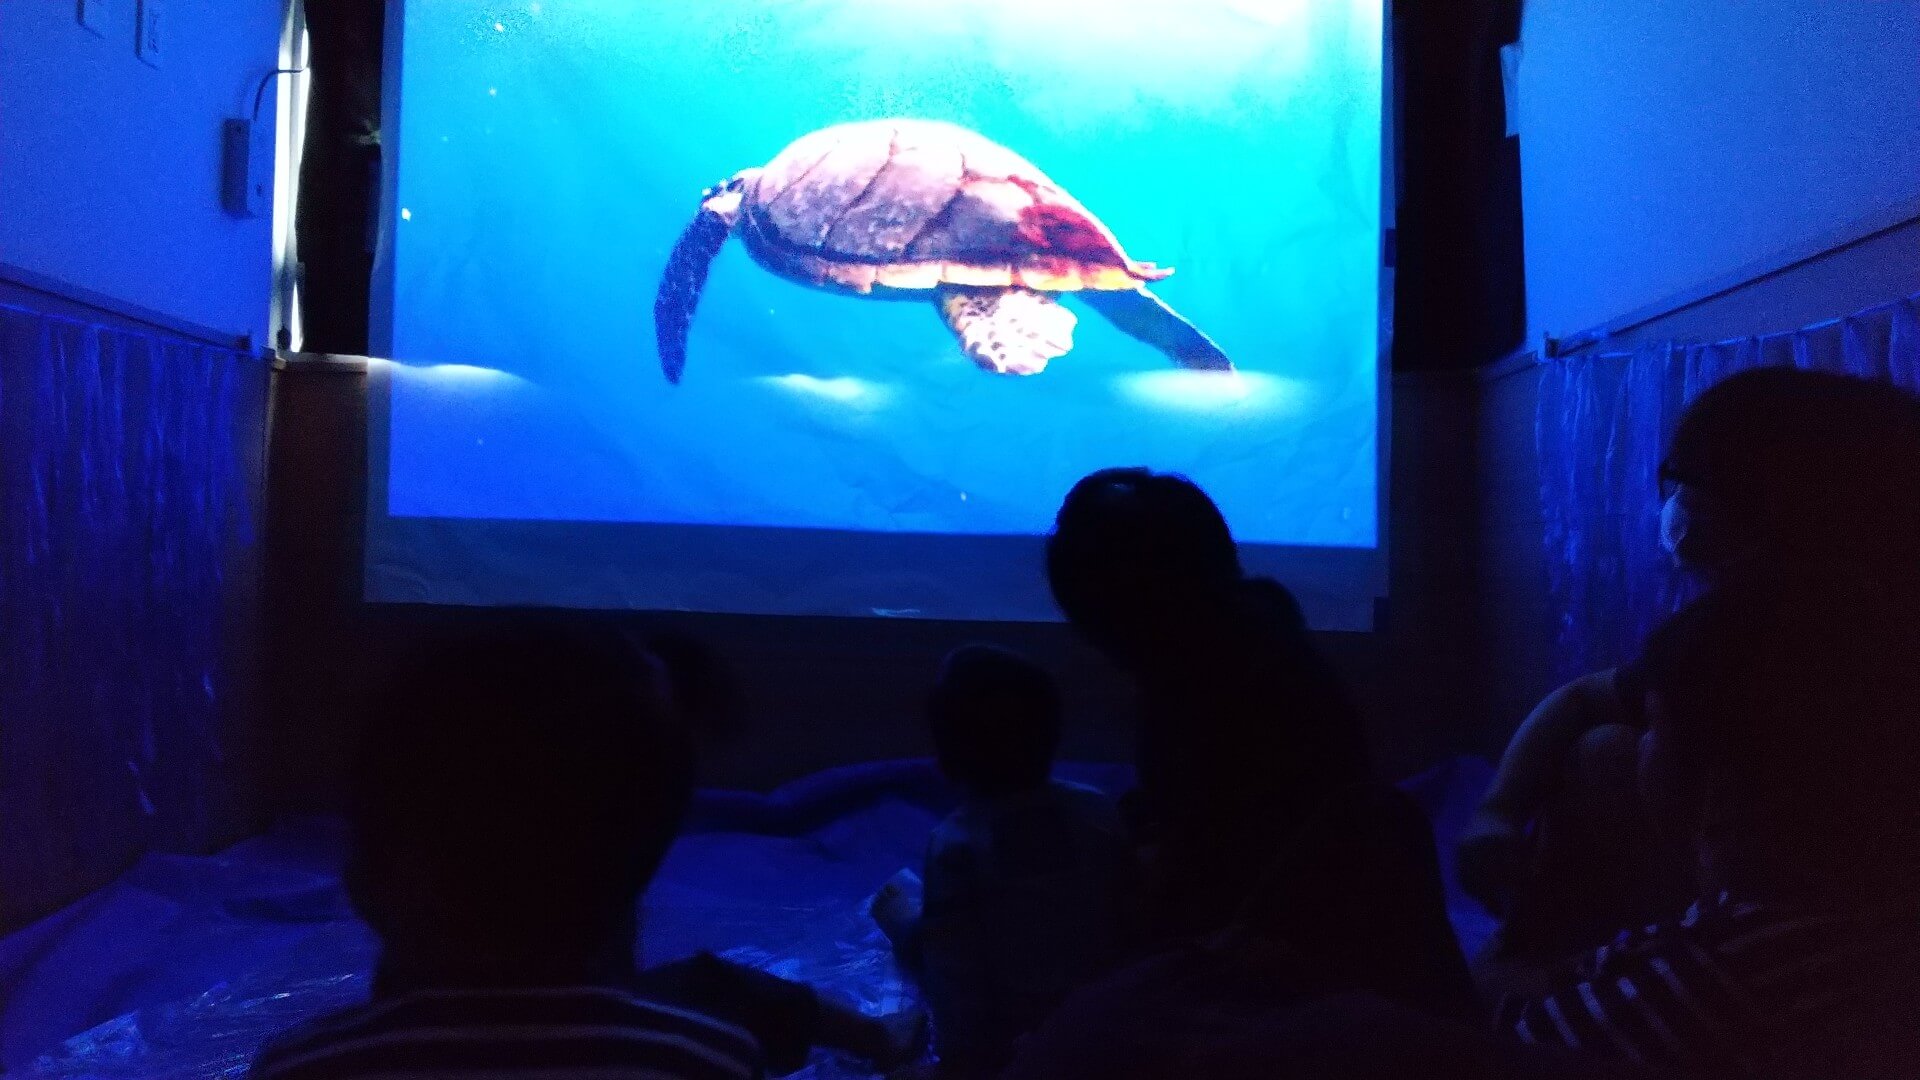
93, 15
150, 33
246, 167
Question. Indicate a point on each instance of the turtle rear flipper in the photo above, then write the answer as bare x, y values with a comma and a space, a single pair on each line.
680, 285
1145, 317
1007, 331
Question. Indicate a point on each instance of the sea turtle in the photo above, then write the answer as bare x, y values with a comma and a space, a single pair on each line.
907, 209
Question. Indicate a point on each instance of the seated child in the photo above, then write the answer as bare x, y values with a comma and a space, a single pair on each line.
507, 922
1023, 883
514, 795
1783, 758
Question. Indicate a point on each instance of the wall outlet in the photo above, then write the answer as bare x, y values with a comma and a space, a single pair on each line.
150, 31
246, 167
93, 15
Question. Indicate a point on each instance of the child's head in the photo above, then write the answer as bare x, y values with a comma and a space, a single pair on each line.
996, 720
516, 789
1786, 467
1135, 552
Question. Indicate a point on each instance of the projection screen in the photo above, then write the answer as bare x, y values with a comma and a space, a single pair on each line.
820, 306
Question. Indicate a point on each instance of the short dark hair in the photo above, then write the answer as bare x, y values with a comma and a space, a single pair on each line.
996, 719
1128, 542
524, 778
1813, 463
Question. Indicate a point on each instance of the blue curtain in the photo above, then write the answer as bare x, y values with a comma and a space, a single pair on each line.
1602, 422
132, 470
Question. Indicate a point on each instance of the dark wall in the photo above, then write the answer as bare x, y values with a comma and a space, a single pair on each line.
825, 692
134, 467
1459, 289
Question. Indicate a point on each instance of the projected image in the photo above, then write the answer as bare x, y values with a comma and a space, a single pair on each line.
912, 207
867, 269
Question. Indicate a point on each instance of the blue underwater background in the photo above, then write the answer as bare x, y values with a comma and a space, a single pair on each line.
549, 153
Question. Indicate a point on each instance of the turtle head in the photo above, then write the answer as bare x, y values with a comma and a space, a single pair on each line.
726, 197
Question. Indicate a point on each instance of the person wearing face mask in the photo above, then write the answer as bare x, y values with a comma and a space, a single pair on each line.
1773, 474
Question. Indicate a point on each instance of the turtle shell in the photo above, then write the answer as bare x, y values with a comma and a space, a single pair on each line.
914, 204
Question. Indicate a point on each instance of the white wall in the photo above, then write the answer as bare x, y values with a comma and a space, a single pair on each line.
1666, 143
110, 169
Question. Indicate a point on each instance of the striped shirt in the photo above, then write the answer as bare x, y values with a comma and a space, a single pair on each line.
513, 1034
1742, 988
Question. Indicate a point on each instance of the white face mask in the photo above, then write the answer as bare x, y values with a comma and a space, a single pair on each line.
1675, 520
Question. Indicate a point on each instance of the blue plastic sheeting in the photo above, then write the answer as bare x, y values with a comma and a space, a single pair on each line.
184, 966
1602, 424
132, 467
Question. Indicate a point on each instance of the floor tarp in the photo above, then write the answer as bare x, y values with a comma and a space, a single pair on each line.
183, 966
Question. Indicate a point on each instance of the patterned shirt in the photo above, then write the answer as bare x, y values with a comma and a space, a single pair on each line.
513, 1034
1744, 988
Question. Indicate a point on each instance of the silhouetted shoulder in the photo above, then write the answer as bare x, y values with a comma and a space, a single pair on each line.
475, 1032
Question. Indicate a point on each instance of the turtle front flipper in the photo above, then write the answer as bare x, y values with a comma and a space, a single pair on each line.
1007, 331
686, 274
1145, 317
